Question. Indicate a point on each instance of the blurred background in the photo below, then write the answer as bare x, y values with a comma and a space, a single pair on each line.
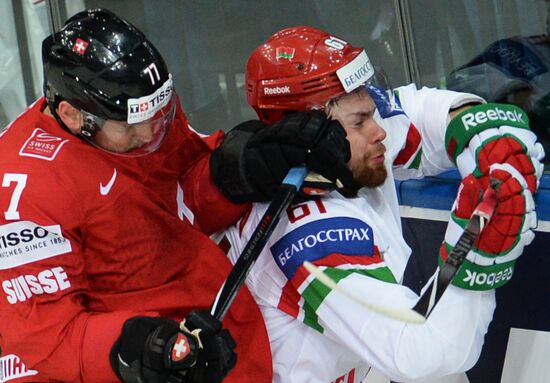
499, 49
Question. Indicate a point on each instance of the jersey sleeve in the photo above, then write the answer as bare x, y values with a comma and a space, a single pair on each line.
418, 144
46, 332
203, 203
345, 249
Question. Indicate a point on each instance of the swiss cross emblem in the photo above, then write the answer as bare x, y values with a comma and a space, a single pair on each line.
80, 46
181, 348
143, 106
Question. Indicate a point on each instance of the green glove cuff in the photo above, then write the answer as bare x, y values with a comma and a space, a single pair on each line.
470, 122
481, 278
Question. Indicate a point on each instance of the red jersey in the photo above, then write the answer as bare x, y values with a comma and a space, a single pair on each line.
89, 239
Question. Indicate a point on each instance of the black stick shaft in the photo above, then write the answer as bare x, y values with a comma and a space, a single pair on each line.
446, 272
288, 189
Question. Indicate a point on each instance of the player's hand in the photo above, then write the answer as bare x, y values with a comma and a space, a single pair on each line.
155, 350
495, 134
254, 158
491, 262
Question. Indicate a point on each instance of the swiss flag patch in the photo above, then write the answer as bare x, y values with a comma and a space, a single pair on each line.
80, 46
181, 348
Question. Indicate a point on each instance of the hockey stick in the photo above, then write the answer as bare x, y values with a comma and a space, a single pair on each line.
288, 189
404, 315
443, 275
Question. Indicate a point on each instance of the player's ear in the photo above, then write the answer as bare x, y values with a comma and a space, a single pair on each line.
70, 116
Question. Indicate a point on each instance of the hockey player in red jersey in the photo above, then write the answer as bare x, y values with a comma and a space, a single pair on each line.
107, 201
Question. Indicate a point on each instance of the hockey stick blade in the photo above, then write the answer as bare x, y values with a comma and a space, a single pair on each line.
445, 273
403, 315
253, 248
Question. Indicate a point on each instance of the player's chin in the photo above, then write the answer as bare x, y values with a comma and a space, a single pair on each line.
371, 176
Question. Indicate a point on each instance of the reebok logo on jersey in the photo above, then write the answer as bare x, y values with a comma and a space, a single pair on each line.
494, 114
25, 286
277, 90
105, 189
25, 242
316, 240
12, 367
42, 144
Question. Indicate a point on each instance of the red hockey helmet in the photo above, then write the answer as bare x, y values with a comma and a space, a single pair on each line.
301, 68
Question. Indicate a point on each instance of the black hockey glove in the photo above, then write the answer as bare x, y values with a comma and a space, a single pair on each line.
156, 350
252, 161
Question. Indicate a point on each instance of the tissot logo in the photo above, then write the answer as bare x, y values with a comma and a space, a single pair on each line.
25, 242
24, 236
143, 108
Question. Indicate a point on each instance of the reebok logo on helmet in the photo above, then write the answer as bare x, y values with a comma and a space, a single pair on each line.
493, 114
277, 90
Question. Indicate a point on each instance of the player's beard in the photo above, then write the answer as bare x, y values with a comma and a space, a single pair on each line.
370, 176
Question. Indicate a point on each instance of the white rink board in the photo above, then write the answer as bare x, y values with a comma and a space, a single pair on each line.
527, 357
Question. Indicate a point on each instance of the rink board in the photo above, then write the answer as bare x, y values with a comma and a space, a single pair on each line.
520, 332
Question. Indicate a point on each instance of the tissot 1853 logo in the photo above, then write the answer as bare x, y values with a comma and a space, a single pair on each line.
25, 242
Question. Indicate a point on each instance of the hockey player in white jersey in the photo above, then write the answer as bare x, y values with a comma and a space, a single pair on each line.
319, 335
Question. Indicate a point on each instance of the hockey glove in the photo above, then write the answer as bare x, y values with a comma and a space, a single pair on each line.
155, 350
252, 161
494, 133
490, 264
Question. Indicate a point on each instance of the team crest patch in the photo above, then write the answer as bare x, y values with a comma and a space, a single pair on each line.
181, 348
42, 144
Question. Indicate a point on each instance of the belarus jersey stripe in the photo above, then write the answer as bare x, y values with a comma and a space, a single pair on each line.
302, 296
412, 147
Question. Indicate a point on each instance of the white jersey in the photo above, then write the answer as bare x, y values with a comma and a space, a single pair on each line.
319, 335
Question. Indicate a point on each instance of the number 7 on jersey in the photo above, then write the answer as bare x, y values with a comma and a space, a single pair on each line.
20, 182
